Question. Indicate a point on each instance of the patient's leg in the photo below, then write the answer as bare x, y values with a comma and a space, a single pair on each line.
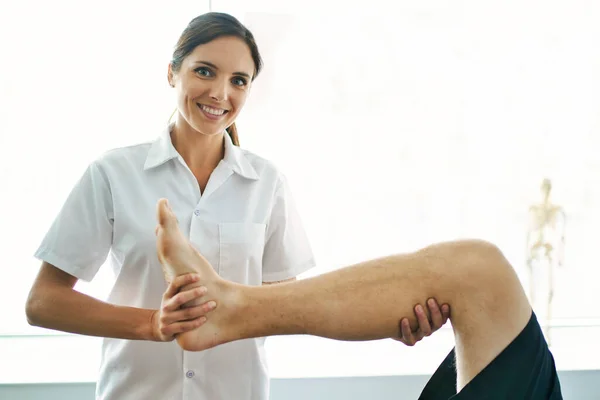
368, 300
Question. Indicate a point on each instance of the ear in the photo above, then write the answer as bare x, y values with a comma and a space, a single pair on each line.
171, 76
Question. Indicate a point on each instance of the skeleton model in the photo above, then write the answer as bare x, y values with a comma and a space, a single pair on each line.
545, 252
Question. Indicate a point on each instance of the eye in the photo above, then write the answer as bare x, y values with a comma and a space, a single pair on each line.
239, 81
203, 71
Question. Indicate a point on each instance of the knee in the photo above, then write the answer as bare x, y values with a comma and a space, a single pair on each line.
468, 253
487, 287
465, 264
486, 268
482, 254
470, 263
483, 258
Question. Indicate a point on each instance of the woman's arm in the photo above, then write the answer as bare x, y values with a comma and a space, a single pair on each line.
53, 303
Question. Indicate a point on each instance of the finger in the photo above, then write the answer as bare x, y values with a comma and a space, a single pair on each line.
188, 296
190, 313
407, 335
418, 336
424, 325
436, 315
179, 282
405, 330
181, 327
183, 297
445, 312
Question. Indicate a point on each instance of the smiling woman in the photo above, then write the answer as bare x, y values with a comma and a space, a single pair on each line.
197, 164
211, 94
213, 67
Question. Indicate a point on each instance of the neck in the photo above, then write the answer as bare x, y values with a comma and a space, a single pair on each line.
199, 151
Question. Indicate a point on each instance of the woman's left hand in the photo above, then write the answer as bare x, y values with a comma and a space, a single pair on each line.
438, 318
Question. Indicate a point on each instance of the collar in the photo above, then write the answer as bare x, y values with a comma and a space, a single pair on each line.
162, 150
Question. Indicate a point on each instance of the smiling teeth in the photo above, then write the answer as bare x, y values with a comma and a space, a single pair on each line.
213, 111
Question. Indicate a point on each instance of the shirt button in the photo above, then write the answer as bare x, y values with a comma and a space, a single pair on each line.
190, 374
196, 212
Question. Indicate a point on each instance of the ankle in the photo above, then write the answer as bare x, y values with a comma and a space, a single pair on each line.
240, 317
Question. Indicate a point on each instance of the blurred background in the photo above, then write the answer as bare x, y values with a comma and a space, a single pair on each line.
396, 125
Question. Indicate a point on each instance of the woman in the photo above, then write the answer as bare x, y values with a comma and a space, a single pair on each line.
236, 209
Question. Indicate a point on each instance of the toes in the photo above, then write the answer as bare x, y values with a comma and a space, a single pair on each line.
164, 215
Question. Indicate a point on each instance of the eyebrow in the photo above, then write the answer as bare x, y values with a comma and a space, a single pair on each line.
215, 67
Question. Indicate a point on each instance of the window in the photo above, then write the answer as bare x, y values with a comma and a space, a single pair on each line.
396, 128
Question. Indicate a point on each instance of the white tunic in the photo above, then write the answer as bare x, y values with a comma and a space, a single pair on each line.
246, 225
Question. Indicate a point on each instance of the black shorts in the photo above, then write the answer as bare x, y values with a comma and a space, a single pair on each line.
524, 370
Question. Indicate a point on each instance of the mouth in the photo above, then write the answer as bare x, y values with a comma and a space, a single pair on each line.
211, 112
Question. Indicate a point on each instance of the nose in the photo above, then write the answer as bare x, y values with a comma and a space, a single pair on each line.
218, 91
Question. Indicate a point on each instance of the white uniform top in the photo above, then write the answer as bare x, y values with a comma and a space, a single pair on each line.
245, 224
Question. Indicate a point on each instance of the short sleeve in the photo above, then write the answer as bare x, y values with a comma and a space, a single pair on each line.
80, 236
287, 250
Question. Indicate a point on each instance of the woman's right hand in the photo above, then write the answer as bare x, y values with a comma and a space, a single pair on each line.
175, 316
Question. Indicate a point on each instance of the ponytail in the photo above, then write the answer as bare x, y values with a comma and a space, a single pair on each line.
232, 131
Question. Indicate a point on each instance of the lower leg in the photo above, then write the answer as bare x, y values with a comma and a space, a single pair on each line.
366, 301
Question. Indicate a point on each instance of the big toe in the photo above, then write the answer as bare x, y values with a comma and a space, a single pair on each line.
166, 218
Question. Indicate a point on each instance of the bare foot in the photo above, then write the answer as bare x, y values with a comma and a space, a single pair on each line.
173, 254
179, 257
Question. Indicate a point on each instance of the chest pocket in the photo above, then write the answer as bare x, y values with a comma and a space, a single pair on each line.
241, 248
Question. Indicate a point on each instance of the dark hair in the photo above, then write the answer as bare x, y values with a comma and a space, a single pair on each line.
206, 28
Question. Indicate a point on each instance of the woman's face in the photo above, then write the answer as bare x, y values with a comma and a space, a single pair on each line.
213, 83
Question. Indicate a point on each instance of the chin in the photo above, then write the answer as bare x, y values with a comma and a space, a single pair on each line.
208, 129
